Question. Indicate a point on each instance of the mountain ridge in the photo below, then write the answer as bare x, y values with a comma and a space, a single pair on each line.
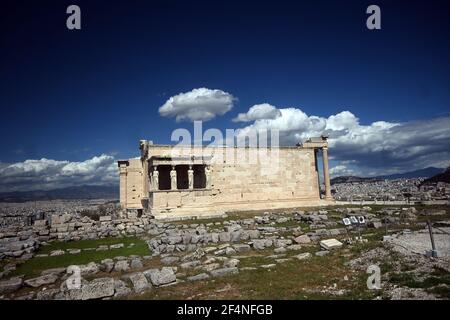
421, 173
68, 193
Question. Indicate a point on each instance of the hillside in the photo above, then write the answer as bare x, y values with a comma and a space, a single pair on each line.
79, 192
422, 173
441, 177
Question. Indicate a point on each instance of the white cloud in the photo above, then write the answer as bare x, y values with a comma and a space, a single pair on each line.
51, 174
257, 112
199, 104
376, 148
341, 170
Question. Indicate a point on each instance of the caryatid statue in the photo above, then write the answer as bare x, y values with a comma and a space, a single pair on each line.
155, 178
191, 177
173, 179
208, 177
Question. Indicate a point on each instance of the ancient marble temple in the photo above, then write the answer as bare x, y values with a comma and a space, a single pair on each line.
175, 181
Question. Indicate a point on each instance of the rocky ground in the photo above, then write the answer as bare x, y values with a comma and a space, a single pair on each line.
266, 255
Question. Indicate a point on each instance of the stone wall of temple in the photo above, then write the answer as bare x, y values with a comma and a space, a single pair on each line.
236, 179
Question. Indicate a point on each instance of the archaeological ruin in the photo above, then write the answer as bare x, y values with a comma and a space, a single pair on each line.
173, 181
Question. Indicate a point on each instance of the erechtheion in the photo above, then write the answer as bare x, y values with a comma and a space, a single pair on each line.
175, 181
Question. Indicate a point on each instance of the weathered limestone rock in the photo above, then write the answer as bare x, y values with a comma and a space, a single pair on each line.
294, 247
224, 271
231, 263
105, 218
268, 266
42, 280
107, 265
303, 239
235, 236
224, 237
10, 285
198, 277
140, 282
253, 234
261, 244
303, 256
48, 294
375, 224
136, 263
121, 266
89, 269
169, 260
241, 247
121, 289
280, 250
229, 250
210, 266
57, 253
322, 253
97, 288
55, 271
281, 242
160, 277
190, 264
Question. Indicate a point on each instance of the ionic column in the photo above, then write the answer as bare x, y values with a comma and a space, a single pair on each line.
123, 185
326, 174
173, 179
191, 178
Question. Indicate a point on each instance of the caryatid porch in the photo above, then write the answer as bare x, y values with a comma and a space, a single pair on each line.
179, 173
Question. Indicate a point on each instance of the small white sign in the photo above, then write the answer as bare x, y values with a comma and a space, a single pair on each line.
353, 219
361, 220
346, 221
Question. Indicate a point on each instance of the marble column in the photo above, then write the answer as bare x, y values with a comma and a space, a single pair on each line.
326, 174
123, 185
173, 179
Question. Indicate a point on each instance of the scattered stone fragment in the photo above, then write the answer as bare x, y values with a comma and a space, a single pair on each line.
160, 277
268, 266
136, 263
121, 289
241, 247
42, 280
139, 281
294, 247
198, 277
116, 246
330, 244
231, 263
190, 264
224, 271
280, 250
107, 265
303, 239
97, 288
121, 266
303, 256
10, 285
56, 253
322, 253
55, 271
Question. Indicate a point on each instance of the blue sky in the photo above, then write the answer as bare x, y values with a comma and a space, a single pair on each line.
75, 95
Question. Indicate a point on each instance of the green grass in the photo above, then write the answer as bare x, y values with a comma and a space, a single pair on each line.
293, 279
36, 265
